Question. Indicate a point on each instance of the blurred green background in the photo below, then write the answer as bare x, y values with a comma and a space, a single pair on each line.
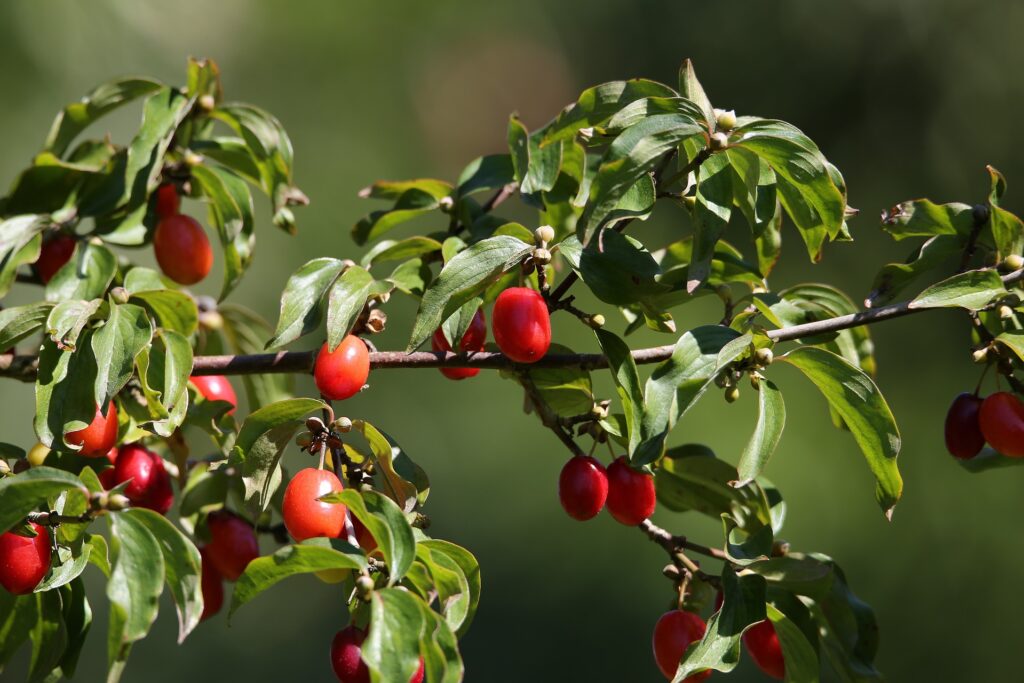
908, 97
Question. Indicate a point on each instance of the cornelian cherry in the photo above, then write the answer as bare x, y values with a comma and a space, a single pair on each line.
1002, 423
213, 587
149, 485
346, 658
182, 249
521, 324
763, 645
216, 388
168, 201
341, 373
232, 545
964, 439
631, 497
55, 252
472, 340
99, 436
673, 633
304, 515
364, 538
24, 561
582, 487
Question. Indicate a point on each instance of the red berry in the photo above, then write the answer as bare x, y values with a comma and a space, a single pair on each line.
182, 249
763, 645
232, 545
582, 487
24, 561
216, 388
673, 633
213, 587
55, 252
364, 538
304, 515
99, 436
341, 373
472, 340
522, 325
168, 201
630, 493
346, 658
963, 433
107, 478
149, 485
1002, 422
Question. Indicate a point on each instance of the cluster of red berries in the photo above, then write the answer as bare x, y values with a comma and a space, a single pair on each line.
585, 487
677, 629
180, 244
973, 421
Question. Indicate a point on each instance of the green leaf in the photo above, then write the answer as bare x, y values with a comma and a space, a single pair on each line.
627, 382
70, 568
264, 572
719, 649
989, 459
182, 567
463, 277
848, 632
164, 370
86, 276
470, 570
712, 211
18, 614
26, 492
400, 250
489, 172
744, 547
893, 278
771, 418
301, 309
598, 104
412, 203
923, 218
677, 383
797, 160
21, 322
620, 271
801, 574
346, 301
65, 398
856, 398
691, 89
449, 582
77, 622
49, 637
386, 523
20, 244
231, 211
78, 116
247, 333
162, 113
171, 309
136, 582
261, 441
391, 648
801, 659
633, 153
567, 392
383, 449
972, 290
116, 345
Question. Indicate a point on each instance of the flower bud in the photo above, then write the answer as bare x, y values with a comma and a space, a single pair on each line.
764, 356
207, 103
541, 256
343, 425
732, 394
446, 204
725, 119
544, 234
719, 141
1013, 262
596, 321
117, 502
119, 295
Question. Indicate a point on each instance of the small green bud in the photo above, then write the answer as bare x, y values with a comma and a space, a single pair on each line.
192, 159
725, 119
116, 502
207, 103
1013, 262
732, 394
343, 425
764, 356
544, 234
721, 381
446, 204
1005, 312
541, 256
596, 321
211, 320
119, 295
980, 355
719, 141
364, 586
5, 469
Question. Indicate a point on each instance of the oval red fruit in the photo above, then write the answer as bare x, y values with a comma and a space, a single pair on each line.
964, 439
763, 645
182, 249
232, 545
55, 252
99, 436
472, 340
213, 587
521, 324
673, 633
346, 658
304, 515
149, 485
582, 487
24, 561
364, 538
1002, 423
341, 373
216, 388
168, 201
631, 497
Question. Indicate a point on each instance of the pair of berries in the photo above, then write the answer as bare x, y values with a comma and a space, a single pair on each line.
180, 244
585, 487
232, 546
148, 483
676, 630
973, 421
347, 661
